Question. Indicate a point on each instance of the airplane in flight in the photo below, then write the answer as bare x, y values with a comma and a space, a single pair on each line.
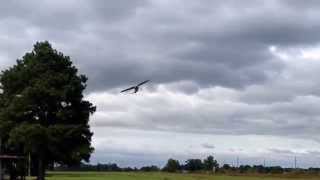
136, 88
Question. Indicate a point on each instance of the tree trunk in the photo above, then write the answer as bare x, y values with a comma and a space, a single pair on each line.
1, 175
41, 168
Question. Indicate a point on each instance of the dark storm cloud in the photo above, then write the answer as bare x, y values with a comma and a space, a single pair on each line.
210, 43
208, 49
53, 13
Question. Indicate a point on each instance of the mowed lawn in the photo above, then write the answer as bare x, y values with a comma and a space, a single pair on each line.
154, 176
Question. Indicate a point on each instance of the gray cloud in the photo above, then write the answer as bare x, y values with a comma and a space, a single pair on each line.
282, 151
212, 67
208, 112
206, 43
207, 146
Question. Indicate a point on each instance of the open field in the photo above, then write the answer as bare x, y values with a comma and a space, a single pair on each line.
155, 176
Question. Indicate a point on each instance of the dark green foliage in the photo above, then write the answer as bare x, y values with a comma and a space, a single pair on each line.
42, 110
258, 168
275, 170
247, 169
194, 165
108, 167
210, 163
172, 166
244, 168
226, 167
150, 168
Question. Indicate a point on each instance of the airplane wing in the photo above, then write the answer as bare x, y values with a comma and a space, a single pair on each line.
128, 89
143, 82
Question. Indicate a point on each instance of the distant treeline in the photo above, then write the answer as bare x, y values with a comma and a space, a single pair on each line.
111, 167
208, 165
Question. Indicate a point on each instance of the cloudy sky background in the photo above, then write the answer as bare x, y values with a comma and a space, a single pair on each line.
229, 78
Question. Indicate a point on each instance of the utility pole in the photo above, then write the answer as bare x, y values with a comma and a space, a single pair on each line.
29, 165
237, 161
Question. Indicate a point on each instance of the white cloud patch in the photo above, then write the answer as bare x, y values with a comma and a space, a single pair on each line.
130, 146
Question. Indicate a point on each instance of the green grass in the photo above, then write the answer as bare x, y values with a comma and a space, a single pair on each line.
155, 176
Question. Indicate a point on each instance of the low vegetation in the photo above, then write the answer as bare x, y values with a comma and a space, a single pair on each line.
161, 176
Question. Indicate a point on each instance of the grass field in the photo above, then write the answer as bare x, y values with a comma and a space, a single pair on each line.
156, 176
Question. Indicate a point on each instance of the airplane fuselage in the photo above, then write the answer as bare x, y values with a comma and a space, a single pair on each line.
136, 89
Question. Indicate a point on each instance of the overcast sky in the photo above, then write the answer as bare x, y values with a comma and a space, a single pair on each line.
229, 78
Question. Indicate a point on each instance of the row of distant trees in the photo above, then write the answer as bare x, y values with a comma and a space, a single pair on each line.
110, 167
211, 165
260, 169
207, 165
172, 165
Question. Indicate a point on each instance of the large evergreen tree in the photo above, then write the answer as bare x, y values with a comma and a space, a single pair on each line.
42, 109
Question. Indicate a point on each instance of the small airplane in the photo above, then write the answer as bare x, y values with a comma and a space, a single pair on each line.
136, 88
